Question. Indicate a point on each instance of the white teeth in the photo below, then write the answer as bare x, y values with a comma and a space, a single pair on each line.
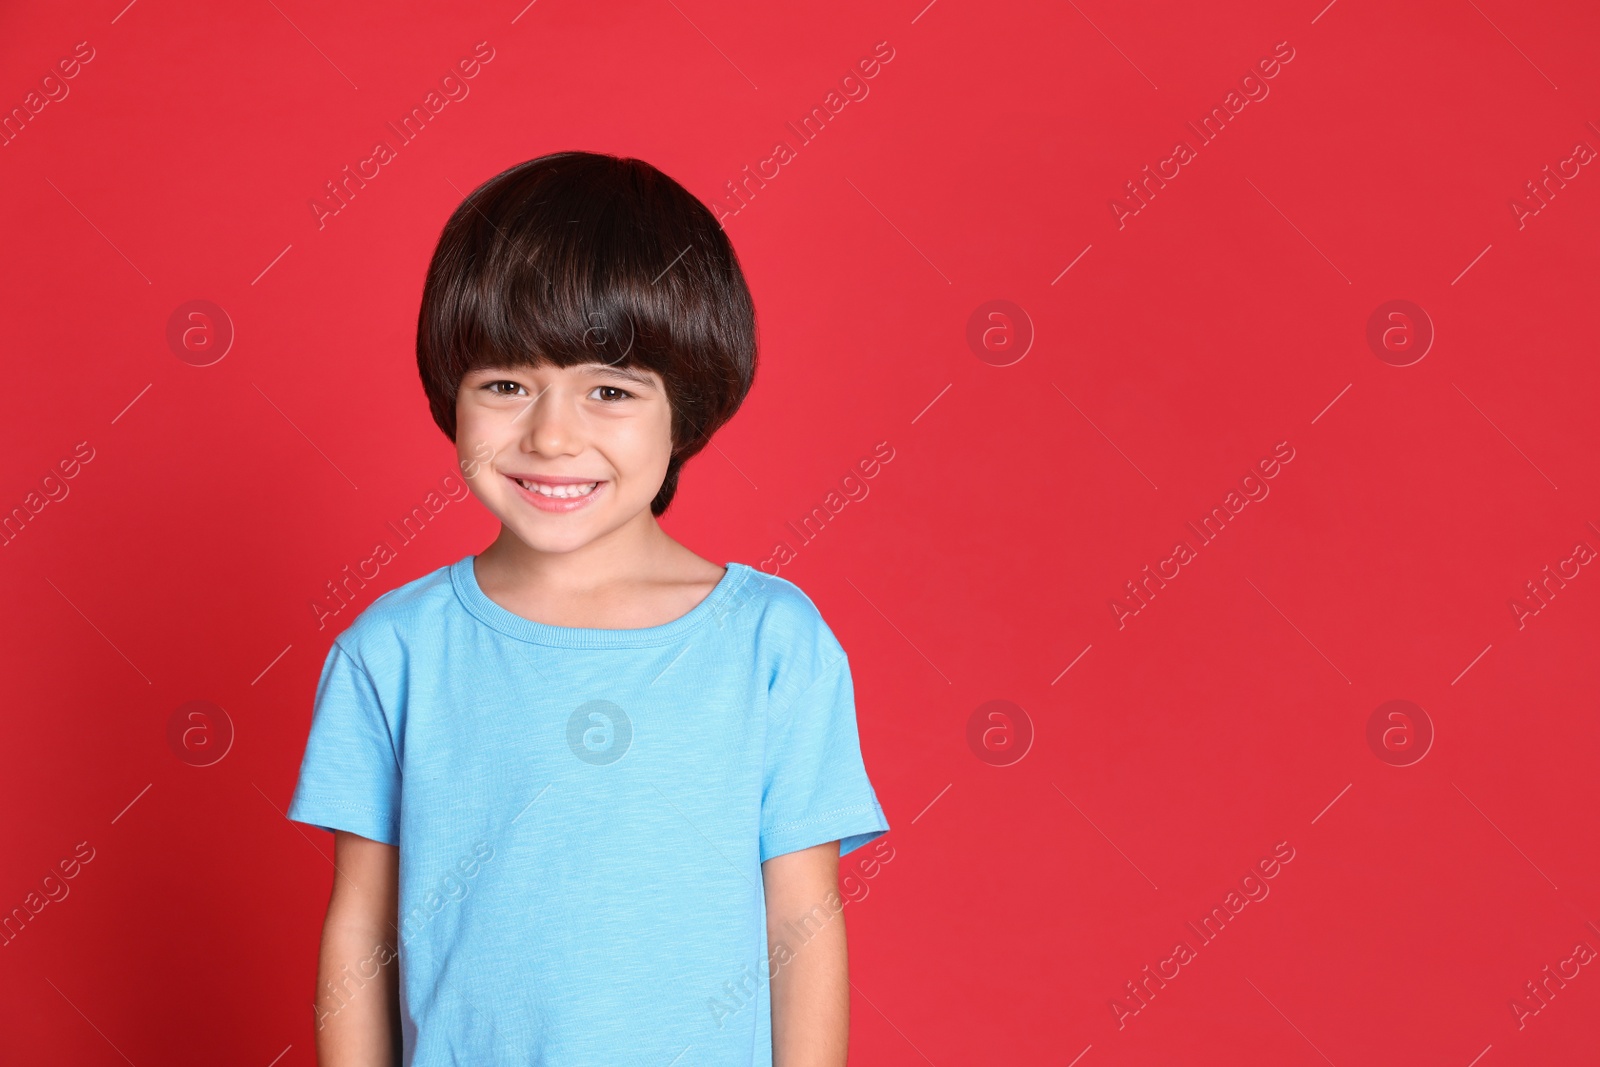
560, 491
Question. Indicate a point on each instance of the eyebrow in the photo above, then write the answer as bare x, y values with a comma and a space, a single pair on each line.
592, 368
622, 372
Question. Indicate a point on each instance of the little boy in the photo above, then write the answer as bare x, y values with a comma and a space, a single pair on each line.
589, 791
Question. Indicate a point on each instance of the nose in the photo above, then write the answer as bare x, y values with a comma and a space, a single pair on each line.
550, 424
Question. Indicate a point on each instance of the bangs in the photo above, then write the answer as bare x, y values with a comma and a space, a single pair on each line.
583, 281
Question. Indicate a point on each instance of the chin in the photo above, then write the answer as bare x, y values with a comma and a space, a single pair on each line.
556, 548
552, 533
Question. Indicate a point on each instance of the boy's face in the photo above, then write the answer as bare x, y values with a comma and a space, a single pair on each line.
556, 426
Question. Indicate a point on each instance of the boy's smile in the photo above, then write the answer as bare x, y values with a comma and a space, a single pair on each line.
577, 453
556, 494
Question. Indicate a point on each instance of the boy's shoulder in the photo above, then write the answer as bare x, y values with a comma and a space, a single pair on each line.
789, 626
785, 602
402, 612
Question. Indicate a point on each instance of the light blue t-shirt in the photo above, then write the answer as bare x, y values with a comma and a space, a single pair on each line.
582, 814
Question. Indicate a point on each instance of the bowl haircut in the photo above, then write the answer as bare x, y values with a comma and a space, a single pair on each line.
580, 257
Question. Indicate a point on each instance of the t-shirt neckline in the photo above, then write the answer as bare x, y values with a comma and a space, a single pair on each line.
465, 581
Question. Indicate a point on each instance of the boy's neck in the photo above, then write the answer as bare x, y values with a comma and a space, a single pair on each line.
640, 552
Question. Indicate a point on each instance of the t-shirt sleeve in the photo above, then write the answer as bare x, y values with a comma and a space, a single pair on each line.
815, 787
349, 775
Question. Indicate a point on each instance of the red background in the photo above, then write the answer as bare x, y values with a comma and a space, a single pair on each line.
1229, 314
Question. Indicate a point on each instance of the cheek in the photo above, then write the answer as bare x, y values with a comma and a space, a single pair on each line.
643, 446
483, 423
478, 440
464, 420
474, 454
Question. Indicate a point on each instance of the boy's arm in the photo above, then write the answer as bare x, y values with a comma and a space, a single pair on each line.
358, 971
807, 959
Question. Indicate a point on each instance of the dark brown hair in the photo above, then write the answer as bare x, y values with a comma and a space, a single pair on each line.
579, 257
